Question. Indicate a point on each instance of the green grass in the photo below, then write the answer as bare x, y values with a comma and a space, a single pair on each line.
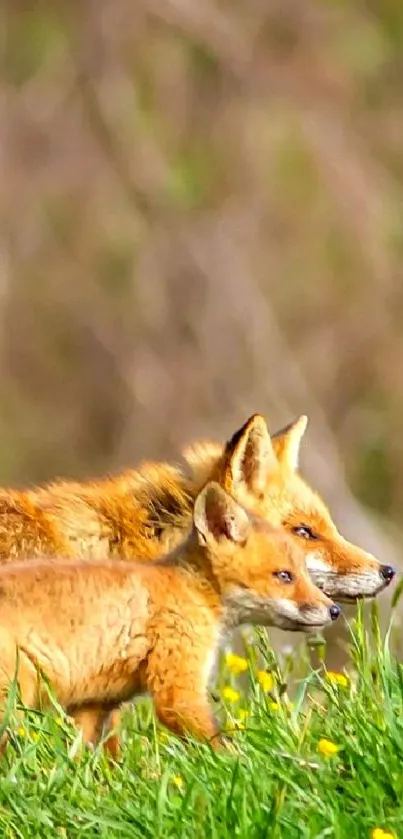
280, 785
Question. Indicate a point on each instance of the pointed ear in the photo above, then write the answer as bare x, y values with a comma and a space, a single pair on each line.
287, 442
249, 457
217, 516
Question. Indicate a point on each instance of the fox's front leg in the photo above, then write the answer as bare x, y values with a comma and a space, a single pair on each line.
178, 679
187, 715
94, 720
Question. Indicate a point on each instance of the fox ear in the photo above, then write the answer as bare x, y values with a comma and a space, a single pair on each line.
249, 456
217, 516
287, 442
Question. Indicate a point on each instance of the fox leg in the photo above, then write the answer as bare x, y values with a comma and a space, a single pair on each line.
188, 716
27, 679
112, 742
92, 719
4, 736
178, 683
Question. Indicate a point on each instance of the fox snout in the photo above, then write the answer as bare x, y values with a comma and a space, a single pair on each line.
387, 573
312, 608
305, 617
363, 578
313, 613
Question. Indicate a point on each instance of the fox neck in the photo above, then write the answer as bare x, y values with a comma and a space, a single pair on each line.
168, 499
195, 562
166, 496
204, 463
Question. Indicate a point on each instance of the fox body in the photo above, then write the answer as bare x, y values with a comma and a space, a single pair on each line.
144, 513
104, 631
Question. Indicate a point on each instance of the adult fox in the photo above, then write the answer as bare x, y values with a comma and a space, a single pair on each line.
101, 632
144, 513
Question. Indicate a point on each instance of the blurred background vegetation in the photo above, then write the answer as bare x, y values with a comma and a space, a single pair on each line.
202, 216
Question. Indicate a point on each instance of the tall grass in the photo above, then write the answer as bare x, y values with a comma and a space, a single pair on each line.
318, 756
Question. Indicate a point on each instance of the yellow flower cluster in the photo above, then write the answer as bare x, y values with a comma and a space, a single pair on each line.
230, 695
242, 717
32, 735
265, 680
327, 748
238, 724
236, 664
339, 679
379, 833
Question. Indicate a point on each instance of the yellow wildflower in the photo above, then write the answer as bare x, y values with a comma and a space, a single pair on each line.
274, 706
238, 722
59, 720
234, 725
230, 694
379, 833
265, 680
236, 663
337, 678
327, 748
22, 732
34, 736
241, 719
178, 781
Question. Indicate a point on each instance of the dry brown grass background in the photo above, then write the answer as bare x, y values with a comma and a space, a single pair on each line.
202, 216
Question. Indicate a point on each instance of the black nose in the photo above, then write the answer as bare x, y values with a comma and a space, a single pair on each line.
334, 612
387, 572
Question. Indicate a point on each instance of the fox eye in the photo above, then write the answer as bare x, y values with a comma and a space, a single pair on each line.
284, 576
304, 531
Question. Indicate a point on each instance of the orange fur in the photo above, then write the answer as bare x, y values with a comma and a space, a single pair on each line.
138, 514
25, 530
101, 632
144, 513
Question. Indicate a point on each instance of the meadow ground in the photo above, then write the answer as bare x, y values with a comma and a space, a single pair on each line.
327, 764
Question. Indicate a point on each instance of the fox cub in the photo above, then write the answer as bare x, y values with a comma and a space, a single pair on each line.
101, 632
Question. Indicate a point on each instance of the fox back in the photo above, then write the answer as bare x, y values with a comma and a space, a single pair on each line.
26, 530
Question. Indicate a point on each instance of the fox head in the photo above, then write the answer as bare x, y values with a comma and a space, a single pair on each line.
262, 474
260, 571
